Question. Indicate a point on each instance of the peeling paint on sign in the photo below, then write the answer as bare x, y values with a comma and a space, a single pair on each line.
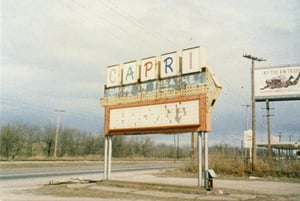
170, 114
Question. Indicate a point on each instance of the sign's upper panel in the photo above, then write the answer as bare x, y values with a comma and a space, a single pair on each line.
168, 76
277, 83
157, 67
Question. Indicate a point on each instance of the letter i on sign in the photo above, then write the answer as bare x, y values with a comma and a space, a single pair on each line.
193, 59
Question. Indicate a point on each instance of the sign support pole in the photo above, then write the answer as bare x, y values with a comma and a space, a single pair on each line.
105, 157
199, 146
206, 158
109, 156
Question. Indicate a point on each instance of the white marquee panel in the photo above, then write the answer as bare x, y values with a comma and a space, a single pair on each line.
159, 115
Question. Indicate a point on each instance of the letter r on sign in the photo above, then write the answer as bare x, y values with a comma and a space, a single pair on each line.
168, 64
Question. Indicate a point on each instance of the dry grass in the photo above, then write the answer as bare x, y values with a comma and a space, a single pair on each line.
238, 167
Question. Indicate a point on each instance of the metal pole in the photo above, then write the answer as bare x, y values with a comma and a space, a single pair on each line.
109, 156
105, 157
199, 146
206, 159
178, 147
174, 148
193, 149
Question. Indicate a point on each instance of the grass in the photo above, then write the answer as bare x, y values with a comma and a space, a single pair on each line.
238, 168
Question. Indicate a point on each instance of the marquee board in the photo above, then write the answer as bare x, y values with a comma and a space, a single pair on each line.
170, 93
172, 116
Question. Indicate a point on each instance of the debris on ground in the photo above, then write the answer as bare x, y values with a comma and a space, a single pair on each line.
72, 181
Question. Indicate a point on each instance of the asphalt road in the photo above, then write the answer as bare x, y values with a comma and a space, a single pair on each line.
16, 184
22, 173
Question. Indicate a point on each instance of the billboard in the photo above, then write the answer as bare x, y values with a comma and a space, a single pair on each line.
169, 93
277, 83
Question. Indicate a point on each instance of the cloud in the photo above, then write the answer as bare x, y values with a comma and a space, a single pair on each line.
55, 53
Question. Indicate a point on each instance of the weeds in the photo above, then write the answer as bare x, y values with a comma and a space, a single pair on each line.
240, 167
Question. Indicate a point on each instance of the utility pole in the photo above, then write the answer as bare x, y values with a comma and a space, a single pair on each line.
248, 56
57, 130
279, 136
247, 116
290, 153
290, 138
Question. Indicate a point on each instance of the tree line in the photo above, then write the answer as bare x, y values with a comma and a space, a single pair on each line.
23, 141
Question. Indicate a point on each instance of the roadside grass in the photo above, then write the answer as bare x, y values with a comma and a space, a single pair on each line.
263, 168
239, 169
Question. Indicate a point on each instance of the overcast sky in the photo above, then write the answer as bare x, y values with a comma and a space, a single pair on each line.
54, 55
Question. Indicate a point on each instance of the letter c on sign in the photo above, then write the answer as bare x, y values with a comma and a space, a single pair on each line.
112, 76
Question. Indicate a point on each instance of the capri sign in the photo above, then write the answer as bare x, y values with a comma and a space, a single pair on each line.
170, 93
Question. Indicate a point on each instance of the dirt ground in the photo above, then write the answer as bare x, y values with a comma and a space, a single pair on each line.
147, 185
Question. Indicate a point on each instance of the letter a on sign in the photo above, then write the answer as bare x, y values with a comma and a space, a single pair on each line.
130, 73
113, 76
193, 59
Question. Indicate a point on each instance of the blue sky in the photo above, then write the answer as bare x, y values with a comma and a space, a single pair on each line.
54, 55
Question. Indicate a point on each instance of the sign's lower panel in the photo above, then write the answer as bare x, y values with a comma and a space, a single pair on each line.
169, 116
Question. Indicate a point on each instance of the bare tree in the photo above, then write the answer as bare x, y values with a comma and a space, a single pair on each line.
48, 135
11, 140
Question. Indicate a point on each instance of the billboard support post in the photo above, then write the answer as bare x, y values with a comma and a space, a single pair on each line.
269, 130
